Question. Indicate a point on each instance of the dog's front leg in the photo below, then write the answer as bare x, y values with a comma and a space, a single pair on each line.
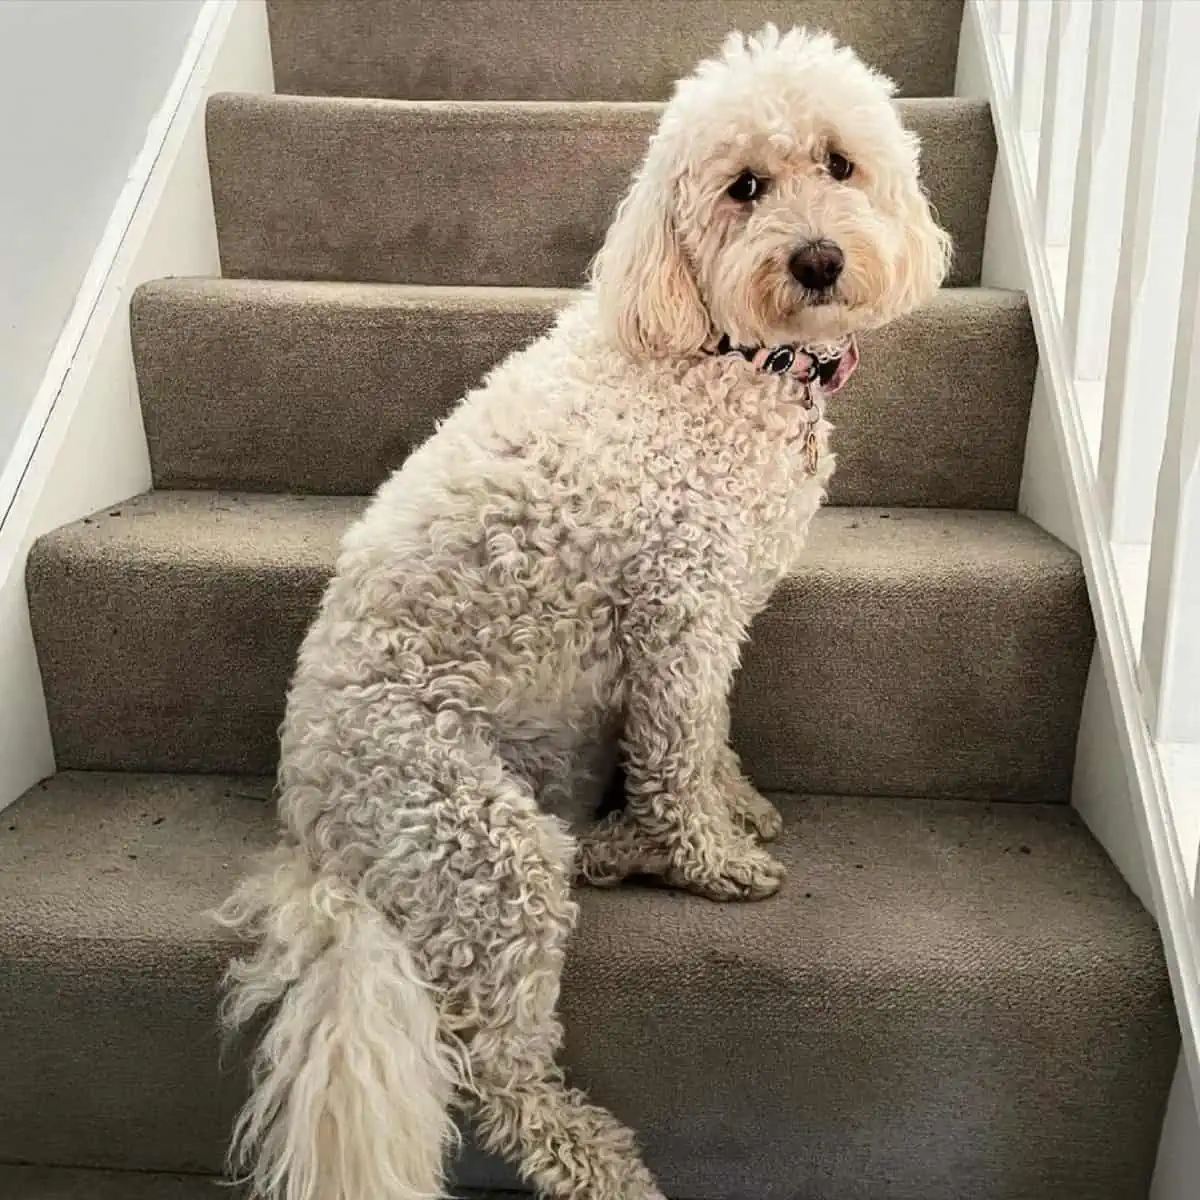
677, 768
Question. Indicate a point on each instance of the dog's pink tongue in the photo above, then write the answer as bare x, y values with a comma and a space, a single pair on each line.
846, 367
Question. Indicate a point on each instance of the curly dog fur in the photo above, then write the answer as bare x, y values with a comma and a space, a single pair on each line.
569, 565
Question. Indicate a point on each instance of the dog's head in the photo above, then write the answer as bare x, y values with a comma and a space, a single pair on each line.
779, 201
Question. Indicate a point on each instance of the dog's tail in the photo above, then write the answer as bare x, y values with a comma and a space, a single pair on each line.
351, 1084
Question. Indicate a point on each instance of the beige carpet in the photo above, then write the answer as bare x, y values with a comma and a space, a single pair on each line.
954, 997
915, 651
577, 49
362, 372
499, 194
848, 1038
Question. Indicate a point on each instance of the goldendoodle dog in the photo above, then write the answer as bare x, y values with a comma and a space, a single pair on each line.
570, 564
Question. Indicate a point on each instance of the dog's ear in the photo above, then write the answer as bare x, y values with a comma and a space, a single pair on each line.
647, 294
925, 261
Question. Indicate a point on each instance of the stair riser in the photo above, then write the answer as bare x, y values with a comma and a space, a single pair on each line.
67, 1183
152, 1095
577, 49
393, 192
326, 388
888, 677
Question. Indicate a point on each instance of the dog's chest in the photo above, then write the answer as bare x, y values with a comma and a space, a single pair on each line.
789, 463
764, 451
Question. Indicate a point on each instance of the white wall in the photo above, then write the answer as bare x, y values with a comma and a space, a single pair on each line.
92, 449
79, 83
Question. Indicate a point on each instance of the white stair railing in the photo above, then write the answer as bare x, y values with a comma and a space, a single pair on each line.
1171, 631
1099, 201
1106, 96
1062, 118
1096, 214
1029, 62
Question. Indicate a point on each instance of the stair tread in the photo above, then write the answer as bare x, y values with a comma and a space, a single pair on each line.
116, 858
950, 647
351, 189
219, 527
235, 378
997, 939
578, 49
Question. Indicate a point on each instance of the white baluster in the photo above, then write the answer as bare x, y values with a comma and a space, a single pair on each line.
1066, 71
1100, 185
1006, 29
1171, 630
1150, 268
1033, 35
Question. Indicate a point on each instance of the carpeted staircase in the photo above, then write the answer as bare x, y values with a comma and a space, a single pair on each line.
955, 997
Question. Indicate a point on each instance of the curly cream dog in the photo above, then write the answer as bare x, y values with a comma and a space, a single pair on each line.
574, 556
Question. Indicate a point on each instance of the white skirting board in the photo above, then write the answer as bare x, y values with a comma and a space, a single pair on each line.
1122, 783
83, 445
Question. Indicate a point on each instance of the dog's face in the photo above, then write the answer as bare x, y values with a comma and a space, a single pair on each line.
779, 202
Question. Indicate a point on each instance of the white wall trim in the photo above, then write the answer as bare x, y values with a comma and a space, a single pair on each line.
82, 445
1014, 220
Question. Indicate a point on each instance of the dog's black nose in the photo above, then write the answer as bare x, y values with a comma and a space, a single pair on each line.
817, 265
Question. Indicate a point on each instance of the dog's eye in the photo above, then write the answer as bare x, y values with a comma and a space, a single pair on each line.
840, 167
746, 187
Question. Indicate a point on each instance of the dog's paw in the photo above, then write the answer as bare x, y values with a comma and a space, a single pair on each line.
755, 813
739, 872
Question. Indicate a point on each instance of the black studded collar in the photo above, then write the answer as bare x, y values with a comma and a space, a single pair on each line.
828, 366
